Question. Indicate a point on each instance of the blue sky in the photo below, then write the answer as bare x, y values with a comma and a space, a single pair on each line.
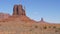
35, 9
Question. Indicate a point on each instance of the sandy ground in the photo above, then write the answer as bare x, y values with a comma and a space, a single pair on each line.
29, 27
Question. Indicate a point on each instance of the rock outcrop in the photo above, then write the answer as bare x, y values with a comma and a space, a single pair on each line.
18, 10
4, 16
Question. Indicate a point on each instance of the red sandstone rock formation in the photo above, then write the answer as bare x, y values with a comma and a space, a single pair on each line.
4, 16
18, 10
15, 12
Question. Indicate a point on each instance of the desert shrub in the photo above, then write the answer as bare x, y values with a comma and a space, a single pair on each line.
54, 26
49, 26
45, 27
30, 30
3, 21
56, 30
36, 26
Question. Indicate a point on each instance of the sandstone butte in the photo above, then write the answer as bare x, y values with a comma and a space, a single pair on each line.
19, 23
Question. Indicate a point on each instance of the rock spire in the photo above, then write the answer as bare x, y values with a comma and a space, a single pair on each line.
42, 20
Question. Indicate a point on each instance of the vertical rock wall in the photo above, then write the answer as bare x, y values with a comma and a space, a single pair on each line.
18, 10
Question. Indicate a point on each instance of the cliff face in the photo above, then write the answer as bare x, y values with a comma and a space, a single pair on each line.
18, 10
